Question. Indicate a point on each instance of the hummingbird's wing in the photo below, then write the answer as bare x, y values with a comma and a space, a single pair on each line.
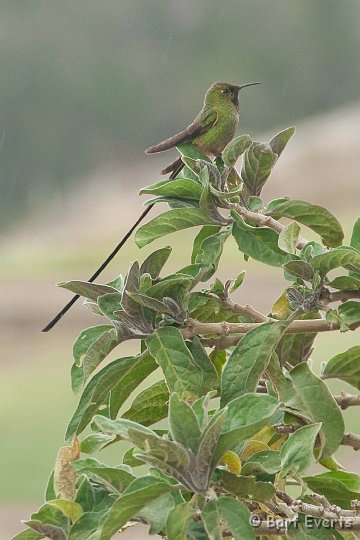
205, 120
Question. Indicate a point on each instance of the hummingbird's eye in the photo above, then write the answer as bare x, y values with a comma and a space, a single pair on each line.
225, 91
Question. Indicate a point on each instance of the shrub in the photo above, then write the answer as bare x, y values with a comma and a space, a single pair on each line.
244, 414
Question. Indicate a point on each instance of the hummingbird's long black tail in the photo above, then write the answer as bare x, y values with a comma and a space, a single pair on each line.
66, 308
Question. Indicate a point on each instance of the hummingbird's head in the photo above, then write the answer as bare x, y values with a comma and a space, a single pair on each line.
222, 92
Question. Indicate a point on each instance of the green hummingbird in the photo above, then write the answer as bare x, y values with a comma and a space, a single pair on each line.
214, 126
211, 131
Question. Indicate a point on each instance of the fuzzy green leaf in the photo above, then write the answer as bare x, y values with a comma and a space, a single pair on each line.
178, 521
182, 373
260, 243
96, 391
226, 513
297, 451
184, 425
249, 359
315, 217
128, 505
182, 188
339, 487
259, 159
235, 148
150, 405
247, 414
169, 222
280, 140
288, 237
335, 258
345, 366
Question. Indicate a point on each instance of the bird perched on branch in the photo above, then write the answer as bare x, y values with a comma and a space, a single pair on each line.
211, 131
214, 126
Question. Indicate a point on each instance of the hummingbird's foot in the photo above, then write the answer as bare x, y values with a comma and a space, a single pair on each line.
173, 166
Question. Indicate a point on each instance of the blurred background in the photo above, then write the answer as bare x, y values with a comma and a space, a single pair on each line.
86, 86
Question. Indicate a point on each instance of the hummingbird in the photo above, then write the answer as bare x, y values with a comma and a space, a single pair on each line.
211, 131
215, 125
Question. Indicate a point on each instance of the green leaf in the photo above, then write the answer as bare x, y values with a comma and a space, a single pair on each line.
128, 505
307, 396
209, 206
335, 258
226, 513
265, 461
315, 217
176, 287
206, 460
113, 478
238, 281
96, 392
182, 188
178, 521
235, 148
50, 531
260, 243
247, 414
183, 423
109, 303
295, 348
210, 379
299, 269
350, 312
255, 203
151, 303
154, 263
150, 405
207, 230
280, 140
90, 348
288, 237
297, 451
345, 283
247, 487
130, 459
95, 442
211, 250
169, 222
259, 159
355, 237
70, 509
345, 366
249, 359
129, 382
87, 526
156, 512
338, 487
86, 289
82, 345
191, 151
28, 534
182, 374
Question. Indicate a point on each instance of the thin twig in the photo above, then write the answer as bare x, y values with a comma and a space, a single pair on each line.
346, 400
246, 310
352, 439
265, 221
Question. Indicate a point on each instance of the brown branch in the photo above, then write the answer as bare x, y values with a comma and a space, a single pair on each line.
197, 328
341, 296
265, 221
247, 310
351, 439
346, 400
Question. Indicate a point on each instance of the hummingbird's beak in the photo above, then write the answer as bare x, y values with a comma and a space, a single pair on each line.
241, 86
